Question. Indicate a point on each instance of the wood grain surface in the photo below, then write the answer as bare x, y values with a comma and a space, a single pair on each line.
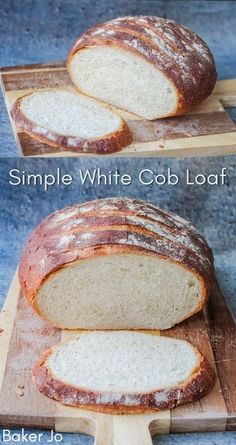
206, 130
24, 336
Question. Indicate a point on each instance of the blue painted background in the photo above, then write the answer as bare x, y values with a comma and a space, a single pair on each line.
43, 30
210, 208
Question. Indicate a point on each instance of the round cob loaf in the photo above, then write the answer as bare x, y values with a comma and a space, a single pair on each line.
116, 263
150, 66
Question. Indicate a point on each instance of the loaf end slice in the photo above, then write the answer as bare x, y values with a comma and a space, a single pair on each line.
124, 372
70, 121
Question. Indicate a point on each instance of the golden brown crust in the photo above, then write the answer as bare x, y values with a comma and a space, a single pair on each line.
106, 145
175, 50
197, 386
112, 226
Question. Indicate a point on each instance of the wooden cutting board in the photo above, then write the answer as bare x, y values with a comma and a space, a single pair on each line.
206, 130
24, 336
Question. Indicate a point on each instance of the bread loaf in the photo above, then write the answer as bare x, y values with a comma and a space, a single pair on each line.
116, 263
150, 66
70, 121
123, 372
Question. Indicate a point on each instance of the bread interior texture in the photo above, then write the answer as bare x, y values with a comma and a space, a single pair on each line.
125, 80
119, 291
123, 362
70, 114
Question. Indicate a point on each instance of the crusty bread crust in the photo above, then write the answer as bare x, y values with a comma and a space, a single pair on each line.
197, 386
112, 226
108, 144
181, 55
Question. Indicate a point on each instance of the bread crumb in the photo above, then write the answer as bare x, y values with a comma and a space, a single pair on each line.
20, 390
1, 331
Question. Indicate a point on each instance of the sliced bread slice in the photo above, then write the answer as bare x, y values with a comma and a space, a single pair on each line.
71, 121
123, 372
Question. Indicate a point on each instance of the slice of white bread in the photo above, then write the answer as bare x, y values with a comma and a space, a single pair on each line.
71, 121
124, 80
150, 66
116, 263
123, 371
